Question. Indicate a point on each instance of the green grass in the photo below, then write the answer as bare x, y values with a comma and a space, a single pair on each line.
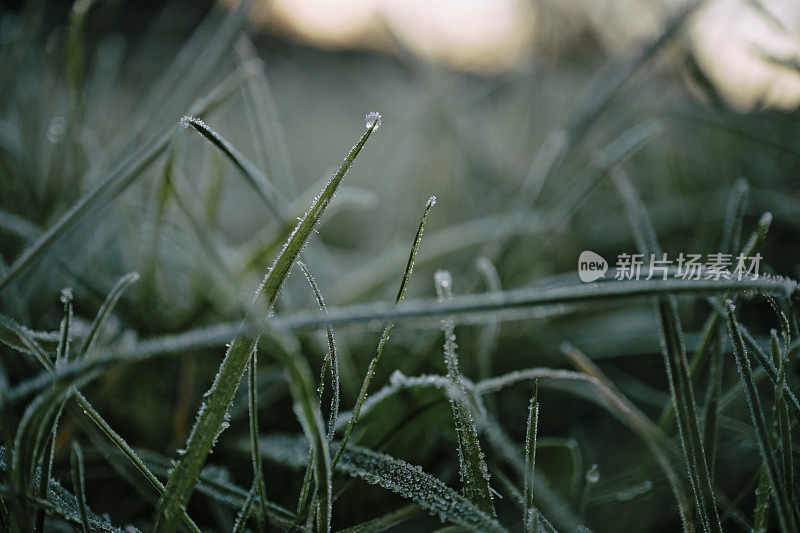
142, 264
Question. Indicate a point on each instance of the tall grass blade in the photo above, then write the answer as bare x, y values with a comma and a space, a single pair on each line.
530, 516
714, 322
472, 466
79, 484
362, 395
211, 416
781, 498
105, 311
331, 358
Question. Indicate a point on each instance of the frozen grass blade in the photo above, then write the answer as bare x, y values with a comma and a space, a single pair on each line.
255, 178
362, 395
105, 311
714, 322
211, 416
677, 367
398, 476
782, 506
331, 358
530, 516
512, 303
258, 472
79, 484
472, 466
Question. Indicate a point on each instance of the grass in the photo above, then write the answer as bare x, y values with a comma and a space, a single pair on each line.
141, 264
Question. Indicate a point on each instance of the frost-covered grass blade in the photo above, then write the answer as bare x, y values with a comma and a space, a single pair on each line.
211, 416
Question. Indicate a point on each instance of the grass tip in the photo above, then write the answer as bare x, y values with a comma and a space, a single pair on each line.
431, 202
66, 295
443, 279
373, 120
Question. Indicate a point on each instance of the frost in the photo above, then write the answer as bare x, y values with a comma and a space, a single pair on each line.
593, 474
373, 120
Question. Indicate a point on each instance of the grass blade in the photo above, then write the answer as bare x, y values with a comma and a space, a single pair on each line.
782, 505
105, 311
362, 395
79, 484
254, 177
472, 466
331, 358
530, 516
397, 476
510, 304
211, 417
258, 472
675, 362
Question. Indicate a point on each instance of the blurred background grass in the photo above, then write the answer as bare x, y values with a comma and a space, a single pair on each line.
463, 127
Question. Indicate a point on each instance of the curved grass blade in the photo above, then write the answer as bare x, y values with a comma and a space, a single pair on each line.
211, 416
393, 474
472, 466
331, 358
105, 311
362, 395
480, 308
782, 506
412, 482
254, 177
79, 484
